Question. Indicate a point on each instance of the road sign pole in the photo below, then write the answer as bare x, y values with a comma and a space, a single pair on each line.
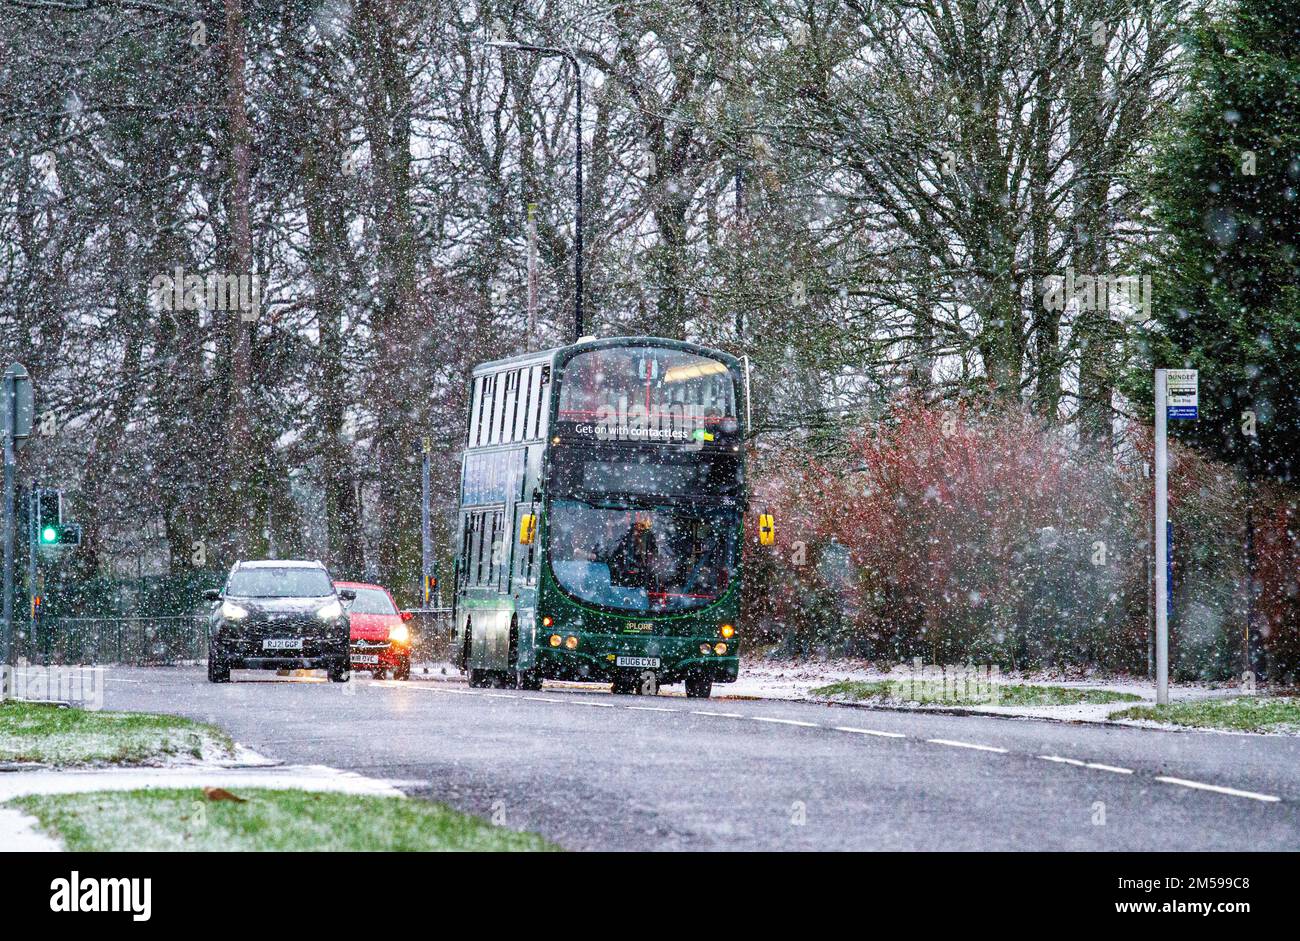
7, 432
1161, 539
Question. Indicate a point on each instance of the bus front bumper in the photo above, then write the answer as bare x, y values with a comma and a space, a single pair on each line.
597, 658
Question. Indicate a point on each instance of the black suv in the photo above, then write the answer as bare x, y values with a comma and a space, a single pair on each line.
278, 614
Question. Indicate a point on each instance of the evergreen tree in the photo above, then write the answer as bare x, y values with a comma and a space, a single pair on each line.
1227, 188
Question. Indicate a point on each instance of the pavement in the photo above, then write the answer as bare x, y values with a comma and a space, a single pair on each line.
591, 770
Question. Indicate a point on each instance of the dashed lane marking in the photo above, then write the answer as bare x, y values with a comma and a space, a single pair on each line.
850, 728
971, 745
806, 725
1230, 791
1111, 768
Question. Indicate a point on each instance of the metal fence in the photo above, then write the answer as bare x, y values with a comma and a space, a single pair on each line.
128, 641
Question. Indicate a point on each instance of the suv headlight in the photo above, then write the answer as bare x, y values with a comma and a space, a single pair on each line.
330, 611
233, 612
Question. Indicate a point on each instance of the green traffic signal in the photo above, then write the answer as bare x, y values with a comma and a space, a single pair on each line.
49, 534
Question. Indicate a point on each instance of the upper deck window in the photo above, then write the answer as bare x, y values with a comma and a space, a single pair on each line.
644, 393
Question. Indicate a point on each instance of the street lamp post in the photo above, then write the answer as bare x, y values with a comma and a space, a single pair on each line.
577, 222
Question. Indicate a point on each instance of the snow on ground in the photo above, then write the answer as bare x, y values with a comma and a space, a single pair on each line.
298, 777
796, 679
18, 834
771, 678
248, 769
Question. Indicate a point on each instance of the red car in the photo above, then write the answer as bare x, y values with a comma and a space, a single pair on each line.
381, 641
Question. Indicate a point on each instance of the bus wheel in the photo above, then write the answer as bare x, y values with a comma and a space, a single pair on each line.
698, 686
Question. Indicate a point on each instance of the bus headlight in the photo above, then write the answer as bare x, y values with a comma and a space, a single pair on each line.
705, 649
727, 630
555, 640
399, 634
571, 642
720, 649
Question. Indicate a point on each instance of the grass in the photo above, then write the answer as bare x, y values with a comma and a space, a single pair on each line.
934, 691
1239, 714
270, 820
65, 736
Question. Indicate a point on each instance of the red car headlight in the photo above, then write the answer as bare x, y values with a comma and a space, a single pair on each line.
399, 634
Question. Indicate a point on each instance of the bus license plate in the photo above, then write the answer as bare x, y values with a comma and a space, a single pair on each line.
282, 643
365, 658
643, 662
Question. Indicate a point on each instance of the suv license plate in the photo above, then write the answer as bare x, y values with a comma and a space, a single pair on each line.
644, 662
365, 658
283, 643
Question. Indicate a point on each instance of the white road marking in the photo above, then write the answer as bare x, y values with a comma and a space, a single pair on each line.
1231, 791
849, 728
499, 696
1063, 761
720, 715
1111, 768
807, 725
601, 705
651, 709
972, 745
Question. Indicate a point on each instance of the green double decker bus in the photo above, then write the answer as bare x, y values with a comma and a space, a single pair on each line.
602, 505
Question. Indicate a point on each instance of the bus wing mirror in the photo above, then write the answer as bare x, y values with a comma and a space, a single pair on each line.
527, 529
766, 530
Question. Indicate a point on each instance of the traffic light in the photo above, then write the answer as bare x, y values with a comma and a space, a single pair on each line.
51, 531
63, 534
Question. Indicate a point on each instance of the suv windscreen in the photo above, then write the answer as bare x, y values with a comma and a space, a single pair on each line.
280, 583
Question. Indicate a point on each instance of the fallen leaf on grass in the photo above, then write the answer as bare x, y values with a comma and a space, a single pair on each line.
221, 794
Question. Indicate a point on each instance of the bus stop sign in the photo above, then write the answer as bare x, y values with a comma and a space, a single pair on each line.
1181, 388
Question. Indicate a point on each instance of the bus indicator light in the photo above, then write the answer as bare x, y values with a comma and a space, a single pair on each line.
571, 642
555, 640
727, 631
705, 649
720, 649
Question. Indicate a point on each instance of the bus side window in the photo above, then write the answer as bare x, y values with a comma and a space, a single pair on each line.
467, 551
501, 545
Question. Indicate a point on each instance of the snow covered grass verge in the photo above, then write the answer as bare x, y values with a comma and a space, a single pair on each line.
64, 736
260, 819
927, 692
1240, 714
